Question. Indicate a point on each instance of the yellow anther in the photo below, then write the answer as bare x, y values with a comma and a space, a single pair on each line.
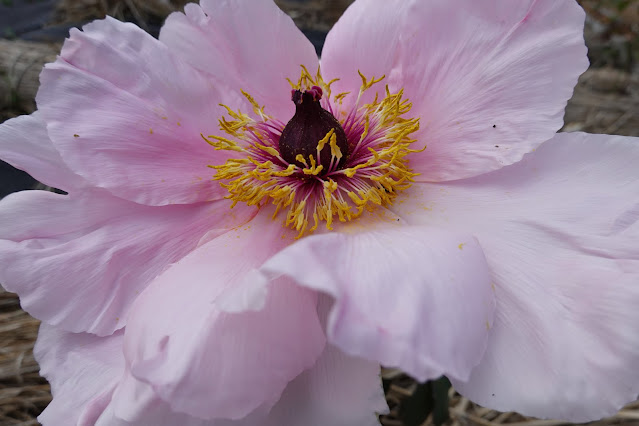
341, 96
335, 151
331, 185
257, 109
322, 142
274, 152
301, 159
314, 169
368, 84
287, 172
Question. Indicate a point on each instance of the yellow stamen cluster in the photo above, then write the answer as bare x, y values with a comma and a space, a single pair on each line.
309, 192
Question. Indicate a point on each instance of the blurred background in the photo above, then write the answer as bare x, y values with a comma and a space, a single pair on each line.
606, 100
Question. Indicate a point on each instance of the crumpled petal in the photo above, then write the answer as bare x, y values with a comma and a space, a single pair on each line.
25, 145
488, 80
127, 115
84, 371
560, 232
80, 260
249, 44
414, 297
187, 349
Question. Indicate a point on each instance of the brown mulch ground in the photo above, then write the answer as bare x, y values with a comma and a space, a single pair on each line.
23, 393
605, 101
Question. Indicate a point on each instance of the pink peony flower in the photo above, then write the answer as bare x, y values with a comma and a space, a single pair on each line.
253, 264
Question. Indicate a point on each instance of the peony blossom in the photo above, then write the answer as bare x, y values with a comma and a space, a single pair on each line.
247, 235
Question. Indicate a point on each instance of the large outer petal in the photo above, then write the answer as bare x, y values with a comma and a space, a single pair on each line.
126, 114
489, 80
84, 370
340, 390
80, 260
407, 296
560, 234
249, 44
25, 145
213, 364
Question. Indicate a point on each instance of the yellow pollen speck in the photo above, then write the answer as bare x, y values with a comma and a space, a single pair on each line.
178, 123
76, 135
487, 325
461, 246
309, 191
151, 131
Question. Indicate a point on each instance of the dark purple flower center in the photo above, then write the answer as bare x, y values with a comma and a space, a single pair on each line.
310, 124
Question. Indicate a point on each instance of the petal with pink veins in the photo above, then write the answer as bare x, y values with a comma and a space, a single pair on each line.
127, 115
560, 231
79, 261
249, 44
408, 296
178, 340
25, 145
488, 80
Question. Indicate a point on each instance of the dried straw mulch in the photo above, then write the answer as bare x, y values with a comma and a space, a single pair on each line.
23, 393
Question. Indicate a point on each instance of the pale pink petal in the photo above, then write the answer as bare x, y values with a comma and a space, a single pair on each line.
560, 234
339, 390
180, 343
149, 409
250, 44
79, 261
25, 145
83, 370
489, 80
127, 115
407, 296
